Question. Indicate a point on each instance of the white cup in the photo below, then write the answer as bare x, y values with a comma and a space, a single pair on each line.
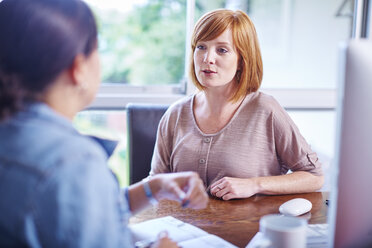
281, 231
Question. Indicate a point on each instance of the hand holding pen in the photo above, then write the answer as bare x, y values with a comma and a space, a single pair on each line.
184, 187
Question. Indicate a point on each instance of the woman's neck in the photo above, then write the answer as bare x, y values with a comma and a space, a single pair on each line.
218, 100
63, 97
214, 112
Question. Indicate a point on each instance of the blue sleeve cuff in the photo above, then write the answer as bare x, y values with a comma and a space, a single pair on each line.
126, 194
126, 200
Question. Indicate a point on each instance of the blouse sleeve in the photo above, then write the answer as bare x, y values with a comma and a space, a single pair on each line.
161, 158
294, 153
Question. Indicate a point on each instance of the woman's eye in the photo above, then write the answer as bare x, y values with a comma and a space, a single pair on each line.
222, 50
200, 47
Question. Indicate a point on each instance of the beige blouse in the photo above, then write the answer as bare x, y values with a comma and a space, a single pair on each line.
260, 140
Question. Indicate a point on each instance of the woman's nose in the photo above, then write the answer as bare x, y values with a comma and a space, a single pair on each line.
209, 58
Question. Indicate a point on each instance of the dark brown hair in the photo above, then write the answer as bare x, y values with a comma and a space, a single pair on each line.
39, 39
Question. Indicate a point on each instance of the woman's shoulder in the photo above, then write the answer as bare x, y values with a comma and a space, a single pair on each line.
47, 147
75, 149
269, 106
262, 102
178, 116
180, 108
181, 104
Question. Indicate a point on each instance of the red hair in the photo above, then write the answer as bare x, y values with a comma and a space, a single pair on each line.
213, 24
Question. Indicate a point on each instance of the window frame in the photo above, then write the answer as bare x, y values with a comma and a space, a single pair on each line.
116, 96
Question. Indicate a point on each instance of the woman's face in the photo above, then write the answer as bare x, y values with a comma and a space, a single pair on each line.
216, 61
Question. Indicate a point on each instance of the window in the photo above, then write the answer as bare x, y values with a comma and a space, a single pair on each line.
141, 42
300, 41
142, 46
144, 52
109, 125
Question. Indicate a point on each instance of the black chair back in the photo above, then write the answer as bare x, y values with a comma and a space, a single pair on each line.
142, 125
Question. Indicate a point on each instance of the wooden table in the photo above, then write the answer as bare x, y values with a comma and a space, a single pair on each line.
236, 221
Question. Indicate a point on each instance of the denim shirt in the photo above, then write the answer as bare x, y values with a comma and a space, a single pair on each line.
55, 187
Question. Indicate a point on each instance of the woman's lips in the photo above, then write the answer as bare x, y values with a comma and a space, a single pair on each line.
208, 71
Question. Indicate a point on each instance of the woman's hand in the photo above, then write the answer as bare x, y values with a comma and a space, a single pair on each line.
185, 187
228, 188
164, 241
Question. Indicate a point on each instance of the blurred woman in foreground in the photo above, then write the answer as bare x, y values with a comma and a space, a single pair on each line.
55, 187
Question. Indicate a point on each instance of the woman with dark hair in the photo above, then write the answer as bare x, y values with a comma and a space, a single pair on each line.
239, 140
55, 187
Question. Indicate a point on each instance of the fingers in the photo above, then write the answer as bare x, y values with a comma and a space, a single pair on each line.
164, 241
214, 190
176, 193
196, 196
185, 187
213, 185
197, 201
220, 193
228, 196
218, 186
180, 195
223, 189
163, 234
231, 188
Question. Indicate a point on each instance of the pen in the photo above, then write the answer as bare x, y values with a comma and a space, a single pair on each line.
182, 197
185, 203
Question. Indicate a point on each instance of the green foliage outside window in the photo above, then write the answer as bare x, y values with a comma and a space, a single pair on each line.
143, 46
108, 125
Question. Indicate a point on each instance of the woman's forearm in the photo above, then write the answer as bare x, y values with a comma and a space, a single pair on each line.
296, 182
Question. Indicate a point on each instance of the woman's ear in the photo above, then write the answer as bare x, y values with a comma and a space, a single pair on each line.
78, 71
